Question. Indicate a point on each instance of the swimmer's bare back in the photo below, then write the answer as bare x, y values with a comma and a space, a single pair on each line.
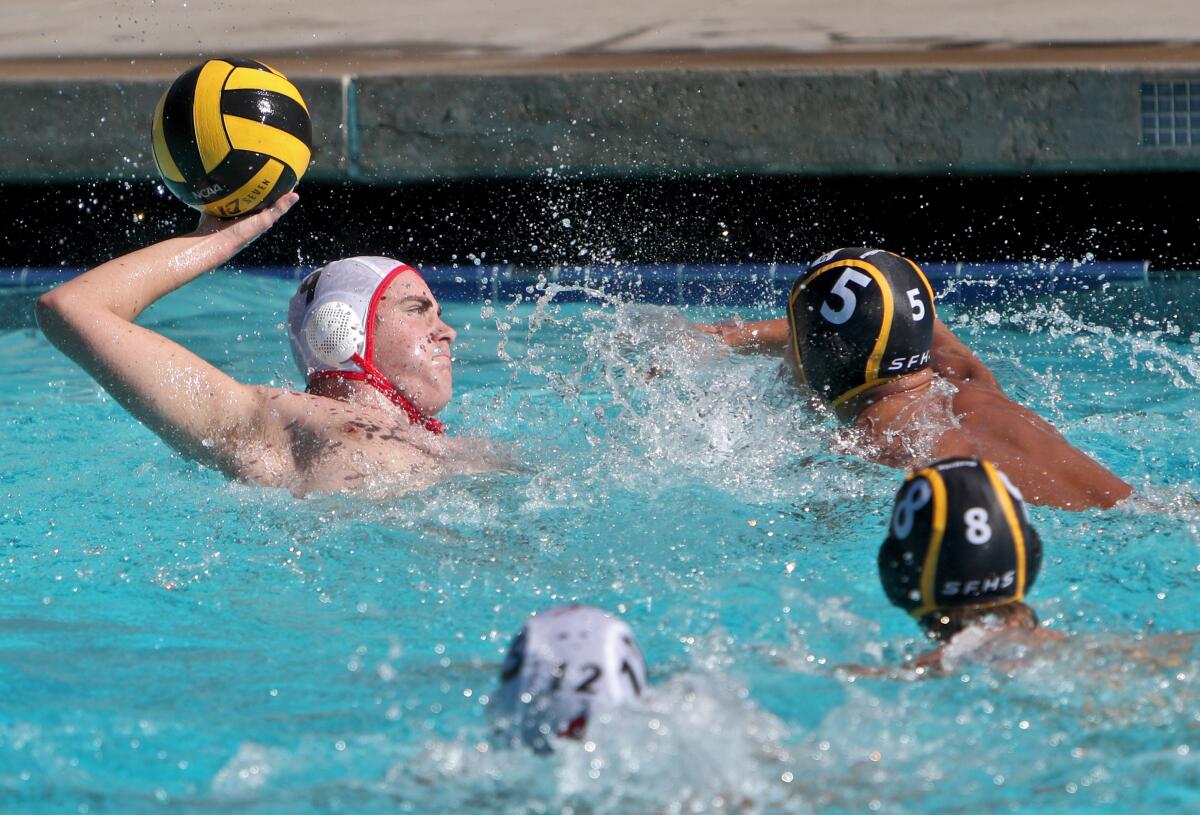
1035, 456
279, 438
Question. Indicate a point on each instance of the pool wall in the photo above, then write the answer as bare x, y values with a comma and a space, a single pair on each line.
653, 161
624, 121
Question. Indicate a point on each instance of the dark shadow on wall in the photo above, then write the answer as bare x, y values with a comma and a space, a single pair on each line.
556, 221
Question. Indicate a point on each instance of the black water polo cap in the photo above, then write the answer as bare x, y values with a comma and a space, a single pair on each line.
860, 317
959, 537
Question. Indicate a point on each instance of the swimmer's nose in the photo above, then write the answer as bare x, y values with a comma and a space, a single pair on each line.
443, 332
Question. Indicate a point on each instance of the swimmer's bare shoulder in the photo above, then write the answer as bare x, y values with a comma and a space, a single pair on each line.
1042, 464
1038, 459
951, 359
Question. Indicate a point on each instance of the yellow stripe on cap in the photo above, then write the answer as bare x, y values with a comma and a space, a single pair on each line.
822, 270
209, 125
889, 307
254, 79
871, 374
937, 533
162, 154
792, 328
866, 386
247, 134
249, 193
1014, 525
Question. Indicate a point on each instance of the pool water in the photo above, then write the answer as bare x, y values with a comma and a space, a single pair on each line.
173, 642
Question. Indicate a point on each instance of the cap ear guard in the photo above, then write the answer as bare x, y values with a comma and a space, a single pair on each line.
334, 332
958, 538
327, 316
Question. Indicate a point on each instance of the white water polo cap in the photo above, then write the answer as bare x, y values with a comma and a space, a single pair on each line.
565, 666
331, 321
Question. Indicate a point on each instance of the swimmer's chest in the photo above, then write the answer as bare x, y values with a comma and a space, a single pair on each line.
358, 453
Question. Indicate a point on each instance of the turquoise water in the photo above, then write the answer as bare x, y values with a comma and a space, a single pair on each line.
172, 642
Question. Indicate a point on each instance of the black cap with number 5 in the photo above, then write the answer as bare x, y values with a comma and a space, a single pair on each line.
959, 538
859, 318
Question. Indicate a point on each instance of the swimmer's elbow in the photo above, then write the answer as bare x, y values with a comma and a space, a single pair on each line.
1114, 493
66, 316
52, 311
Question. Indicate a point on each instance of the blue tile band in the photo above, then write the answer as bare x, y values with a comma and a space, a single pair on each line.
706, 283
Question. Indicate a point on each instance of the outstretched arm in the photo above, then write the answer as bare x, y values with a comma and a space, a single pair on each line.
196, 408
951, 358
762, 337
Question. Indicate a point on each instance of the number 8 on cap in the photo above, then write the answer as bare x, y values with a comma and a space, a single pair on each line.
959, 537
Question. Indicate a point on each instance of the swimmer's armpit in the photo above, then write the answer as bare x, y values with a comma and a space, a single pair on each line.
761, 337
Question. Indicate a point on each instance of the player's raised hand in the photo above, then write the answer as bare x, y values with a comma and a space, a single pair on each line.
241, 231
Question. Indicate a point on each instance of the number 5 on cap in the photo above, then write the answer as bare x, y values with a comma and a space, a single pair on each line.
849, 301
918, 307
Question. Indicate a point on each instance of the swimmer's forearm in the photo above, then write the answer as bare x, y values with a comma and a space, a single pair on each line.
763, 336
767, 335
127, 285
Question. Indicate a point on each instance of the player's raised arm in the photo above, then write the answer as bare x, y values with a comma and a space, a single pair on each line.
198, 409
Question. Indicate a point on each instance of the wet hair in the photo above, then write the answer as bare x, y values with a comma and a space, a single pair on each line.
959, 539
858, 318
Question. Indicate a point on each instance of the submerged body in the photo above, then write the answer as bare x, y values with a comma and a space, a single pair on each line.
989, 642
341, 435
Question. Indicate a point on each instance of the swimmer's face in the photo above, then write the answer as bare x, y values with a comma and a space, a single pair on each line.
412, 343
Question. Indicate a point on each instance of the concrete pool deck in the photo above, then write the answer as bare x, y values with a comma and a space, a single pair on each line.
462, 89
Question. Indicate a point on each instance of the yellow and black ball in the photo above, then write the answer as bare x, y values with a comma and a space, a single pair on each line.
231, 136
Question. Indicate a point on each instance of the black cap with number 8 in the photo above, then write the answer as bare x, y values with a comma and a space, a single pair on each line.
959, 537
